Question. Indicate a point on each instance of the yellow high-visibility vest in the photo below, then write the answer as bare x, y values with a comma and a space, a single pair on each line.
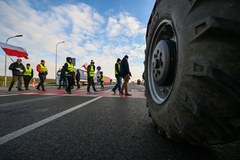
70, 68
118, 66
91, 71
43, 68
28, 71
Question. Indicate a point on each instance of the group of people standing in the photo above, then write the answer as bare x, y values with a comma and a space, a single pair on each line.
68, 79
20, 72
63, 81
68, 76
122, 71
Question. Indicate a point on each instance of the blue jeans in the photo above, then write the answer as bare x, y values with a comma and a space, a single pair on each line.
42, 80
118, 85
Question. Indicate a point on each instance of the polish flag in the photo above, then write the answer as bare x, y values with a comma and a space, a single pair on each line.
16, 51
85, 66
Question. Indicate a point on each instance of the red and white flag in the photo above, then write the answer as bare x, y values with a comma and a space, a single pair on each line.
85, 66
16, 51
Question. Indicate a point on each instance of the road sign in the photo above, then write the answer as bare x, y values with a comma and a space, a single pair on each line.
98, 68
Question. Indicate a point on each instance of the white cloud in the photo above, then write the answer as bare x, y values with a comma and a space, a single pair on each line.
84, 19
113, 28
124, 24
90, 47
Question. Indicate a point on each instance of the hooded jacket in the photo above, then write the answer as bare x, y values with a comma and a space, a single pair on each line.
14, 67
124, 68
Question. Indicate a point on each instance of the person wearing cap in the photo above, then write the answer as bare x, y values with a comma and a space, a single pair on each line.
125, 74
18, 70
42, 73
118, 76
69, 73
90, 75
28, 74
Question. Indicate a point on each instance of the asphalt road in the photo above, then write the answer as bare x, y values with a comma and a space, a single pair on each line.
55, 125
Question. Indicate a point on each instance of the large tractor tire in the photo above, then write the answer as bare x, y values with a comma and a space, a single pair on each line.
192, 70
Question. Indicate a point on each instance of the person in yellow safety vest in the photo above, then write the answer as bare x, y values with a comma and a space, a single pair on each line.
27, 76
69, 73
90, 75
101, 80
42, 73
118, 77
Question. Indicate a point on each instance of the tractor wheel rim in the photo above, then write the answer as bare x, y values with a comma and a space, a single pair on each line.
162, 62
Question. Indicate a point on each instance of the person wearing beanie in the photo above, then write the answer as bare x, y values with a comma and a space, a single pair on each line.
69, 73
118, 76
90, 76
28, 74
125, 74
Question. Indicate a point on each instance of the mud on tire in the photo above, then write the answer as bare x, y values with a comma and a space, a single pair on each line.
192, 69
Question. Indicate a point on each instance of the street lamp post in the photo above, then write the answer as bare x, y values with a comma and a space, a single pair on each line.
5, 71
56, 58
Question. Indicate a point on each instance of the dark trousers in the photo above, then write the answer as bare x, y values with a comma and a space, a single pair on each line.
42, 80
70, 82
78, 83
91, 82
118, 85
102, 84
62, 79
14, 79
27, 79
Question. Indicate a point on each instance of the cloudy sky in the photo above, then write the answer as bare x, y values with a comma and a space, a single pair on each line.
102, 30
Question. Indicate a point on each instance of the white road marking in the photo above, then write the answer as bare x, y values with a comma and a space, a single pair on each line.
8, 95
33, 126
14, 103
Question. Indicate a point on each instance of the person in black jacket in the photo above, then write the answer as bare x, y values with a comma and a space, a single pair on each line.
18, 70
62, 79
70, 74
78, 76
125, 74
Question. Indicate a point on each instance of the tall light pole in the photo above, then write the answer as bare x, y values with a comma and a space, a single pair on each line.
56, 58
5, 71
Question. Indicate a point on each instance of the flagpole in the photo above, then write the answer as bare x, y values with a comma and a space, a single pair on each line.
56, 59
5, 71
